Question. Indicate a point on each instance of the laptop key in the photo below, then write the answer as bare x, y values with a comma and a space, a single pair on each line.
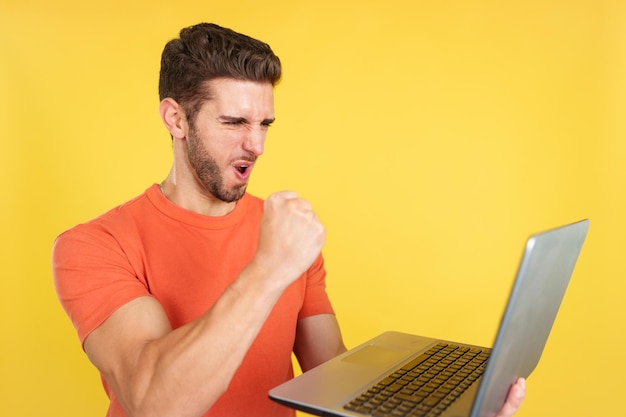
413, 363
412, 398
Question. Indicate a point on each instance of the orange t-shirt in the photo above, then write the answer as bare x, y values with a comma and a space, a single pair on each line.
150, 246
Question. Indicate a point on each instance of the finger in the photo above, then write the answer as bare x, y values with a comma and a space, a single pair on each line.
514, 399
285, 195
304, 205
293, 200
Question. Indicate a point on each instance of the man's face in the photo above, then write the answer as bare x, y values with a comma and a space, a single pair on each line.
228, 135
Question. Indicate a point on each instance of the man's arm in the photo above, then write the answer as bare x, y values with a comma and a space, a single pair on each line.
318, 339
154, 370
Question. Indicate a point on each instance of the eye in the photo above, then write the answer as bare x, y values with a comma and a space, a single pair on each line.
267, 123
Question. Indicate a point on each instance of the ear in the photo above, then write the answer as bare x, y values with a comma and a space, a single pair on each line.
174, 118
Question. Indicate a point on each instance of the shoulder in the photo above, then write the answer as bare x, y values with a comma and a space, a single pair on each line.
116, 221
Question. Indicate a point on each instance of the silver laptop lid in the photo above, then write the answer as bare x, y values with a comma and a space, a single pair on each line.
535, 298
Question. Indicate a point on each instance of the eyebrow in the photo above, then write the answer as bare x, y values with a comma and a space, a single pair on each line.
226, 118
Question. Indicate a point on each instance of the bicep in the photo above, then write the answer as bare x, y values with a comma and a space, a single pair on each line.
318, 339
115, 346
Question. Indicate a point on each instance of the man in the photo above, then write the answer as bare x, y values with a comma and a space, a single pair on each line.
190, 298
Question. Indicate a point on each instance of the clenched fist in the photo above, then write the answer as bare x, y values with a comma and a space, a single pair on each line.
291, 237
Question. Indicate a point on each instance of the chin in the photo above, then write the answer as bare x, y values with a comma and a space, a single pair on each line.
235, 194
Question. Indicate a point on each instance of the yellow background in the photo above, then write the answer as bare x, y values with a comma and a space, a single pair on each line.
432, 137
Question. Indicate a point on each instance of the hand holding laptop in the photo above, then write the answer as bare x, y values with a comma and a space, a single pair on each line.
514, 399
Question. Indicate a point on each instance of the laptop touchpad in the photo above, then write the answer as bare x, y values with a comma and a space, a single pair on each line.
376, 356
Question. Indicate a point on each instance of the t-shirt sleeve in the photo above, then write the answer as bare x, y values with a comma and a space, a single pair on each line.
316, 299
92, 276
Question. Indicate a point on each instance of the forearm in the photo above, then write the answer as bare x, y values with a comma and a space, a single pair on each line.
185, 371
318, 339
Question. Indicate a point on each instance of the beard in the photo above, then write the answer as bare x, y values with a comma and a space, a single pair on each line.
208, 171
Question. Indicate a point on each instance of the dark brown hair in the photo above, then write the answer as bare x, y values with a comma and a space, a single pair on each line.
207, 51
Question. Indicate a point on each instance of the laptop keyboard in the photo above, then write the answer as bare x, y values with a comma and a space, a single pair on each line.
426, 385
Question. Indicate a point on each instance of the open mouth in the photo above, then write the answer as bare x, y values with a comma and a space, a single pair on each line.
243, 165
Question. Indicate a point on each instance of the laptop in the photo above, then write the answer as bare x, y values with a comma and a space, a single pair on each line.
398, 374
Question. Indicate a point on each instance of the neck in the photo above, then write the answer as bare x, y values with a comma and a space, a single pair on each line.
193, 197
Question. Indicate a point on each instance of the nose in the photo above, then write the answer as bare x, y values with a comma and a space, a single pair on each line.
255, 141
